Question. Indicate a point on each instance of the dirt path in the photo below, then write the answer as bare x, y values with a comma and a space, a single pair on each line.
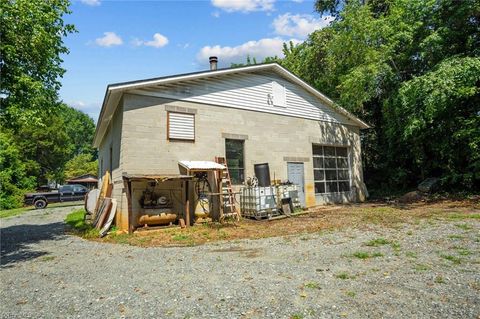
425, 270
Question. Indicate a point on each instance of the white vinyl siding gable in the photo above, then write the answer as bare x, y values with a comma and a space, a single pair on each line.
181, 126
250, 91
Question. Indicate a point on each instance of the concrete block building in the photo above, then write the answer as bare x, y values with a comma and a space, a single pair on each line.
253, 114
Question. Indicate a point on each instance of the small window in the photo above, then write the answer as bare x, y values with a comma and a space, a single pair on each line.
181, 126
79, 188
330, 169
279, 94
234, 150
67, 188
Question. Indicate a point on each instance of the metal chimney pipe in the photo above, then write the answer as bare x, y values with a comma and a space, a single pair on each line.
213, 63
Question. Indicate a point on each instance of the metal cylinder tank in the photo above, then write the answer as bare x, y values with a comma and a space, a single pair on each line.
262, 172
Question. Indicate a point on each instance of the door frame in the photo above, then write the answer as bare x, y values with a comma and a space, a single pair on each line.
302, 200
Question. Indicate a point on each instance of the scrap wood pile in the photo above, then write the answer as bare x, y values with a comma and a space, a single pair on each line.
100, 207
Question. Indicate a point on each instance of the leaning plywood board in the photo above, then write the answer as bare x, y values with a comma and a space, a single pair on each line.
109, 221
103, 217
91, 200
103, 190
102, 210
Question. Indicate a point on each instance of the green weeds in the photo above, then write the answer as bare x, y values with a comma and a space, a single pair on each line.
312, 285
377, 242
454, 259
344, 275
76, 221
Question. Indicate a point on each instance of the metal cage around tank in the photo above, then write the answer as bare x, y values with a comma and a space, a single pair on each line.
265, 202
258, 202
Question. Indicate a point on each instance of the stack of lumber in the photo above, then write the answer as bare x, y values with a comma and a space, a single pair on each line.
105, 207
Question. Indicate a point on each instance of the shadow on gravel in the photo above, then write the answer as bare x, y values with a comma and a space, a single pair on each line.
15, 239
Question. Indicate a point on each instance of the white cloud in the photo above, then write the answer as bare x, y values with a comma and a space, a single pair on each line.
244, 5
159, 40
298, 1
109, 39
91, 2
299, 25
238, 54
216, 14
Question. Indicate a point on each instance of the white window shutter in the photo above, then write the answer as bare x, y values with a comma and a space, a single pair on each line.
279, 94
181, 126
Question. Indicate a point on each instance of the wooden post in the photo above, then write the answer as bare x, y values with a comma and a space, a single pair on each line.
187, 205
127, 184
220, 198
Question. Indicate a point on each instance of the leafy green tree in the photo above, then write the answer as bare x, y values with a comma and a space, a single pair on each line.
444, 102
32, 34
14, 180
35, 143
80, 165
80, 129
45, 149
407, 67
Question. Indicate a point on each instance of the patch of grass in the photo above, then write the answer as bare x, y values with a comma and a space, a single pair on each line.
439, 280
411, 254
297, 316
458, 216
361, 255
464, 252
396, 246
454, 259
14, 212
76, 221
222, 234
409, 233
421, 267
312, 285
366, 255
47, 258
464, 226
377, 242
121, 238
180, 237
351, 294
21, 210
344, 275
455, 236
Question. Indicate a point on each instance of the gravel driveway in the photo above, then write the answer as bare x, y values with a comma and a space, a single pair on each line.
424, 270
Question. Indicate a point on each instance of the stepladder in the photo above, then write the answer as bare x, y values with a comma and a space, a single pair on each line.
227, 196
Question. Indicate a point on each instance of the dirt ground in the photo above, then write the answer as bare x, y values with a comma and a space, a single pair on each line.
358, 216
356, 261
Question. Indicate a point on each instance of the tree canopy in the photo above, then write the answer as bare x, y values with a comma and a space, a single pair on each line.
411, 69
39, 134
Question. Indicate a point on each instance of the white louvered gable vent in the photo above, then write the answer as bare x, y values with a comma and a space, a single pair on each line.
279, 94
181, 126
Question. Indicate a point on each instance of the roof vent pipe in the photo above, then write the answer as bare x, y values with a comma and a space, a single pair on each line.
213, 63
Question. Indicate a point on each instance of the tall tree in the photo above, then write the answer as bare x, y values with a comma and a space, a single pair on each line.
31, 43
80, 129
31, 132
409, 68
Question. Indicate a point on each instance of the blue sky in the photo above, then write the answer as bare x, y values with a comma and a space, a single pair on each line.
120, 41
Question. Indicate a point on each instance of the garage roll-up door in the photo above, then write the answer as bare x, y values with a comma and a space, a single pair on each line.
181, 126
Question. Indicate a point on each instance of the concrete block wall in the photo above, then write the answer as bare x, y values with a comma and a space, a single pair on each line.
270, 138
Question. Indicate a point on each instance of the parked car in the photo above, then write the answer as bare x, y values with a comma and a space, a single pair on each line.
66, 193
